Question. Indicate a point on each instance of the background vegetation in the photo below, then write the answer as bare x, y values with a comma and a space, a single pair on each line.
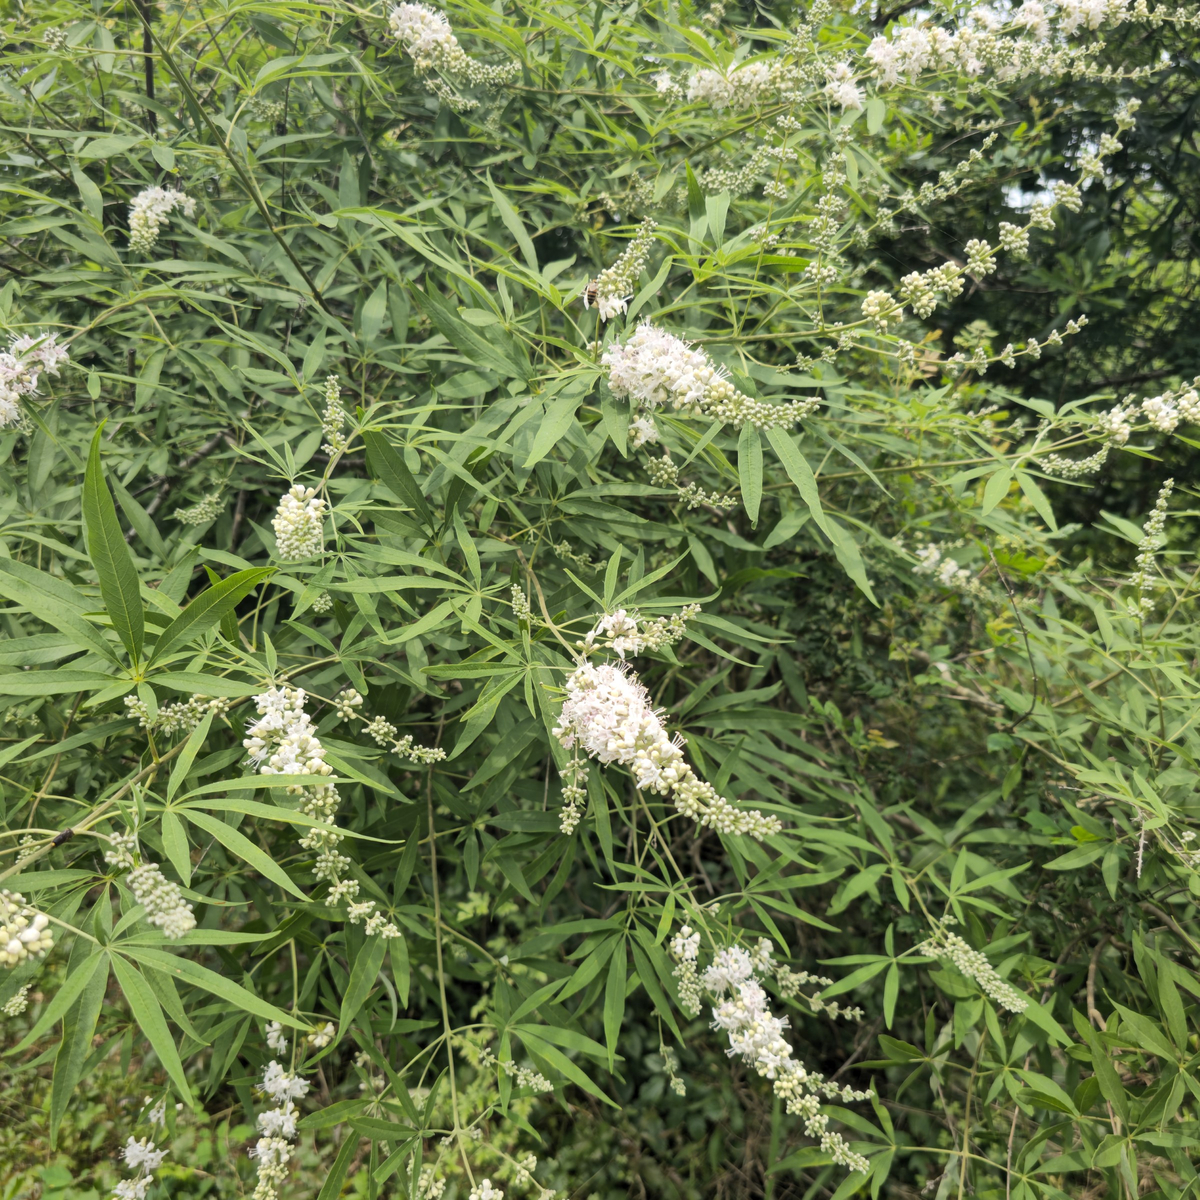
1011, 744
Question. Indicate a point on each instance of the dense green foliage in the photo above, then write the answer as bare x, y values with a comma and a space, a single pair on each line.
967, 719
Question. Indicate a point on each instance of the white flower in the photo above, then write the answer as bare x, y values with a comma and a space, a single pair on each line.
166, 909
275, 1038
278, 1122
608, 714
685, 945
322, 1035
1032, 15
841, 88
24, 932
143, 1154
428, 38
280, 1085
711, 88
1161, 413
1090, 14
641, 431
742, 1012
656, 368
425, 34
730, 968
148, 213
486, 1191
133, 1189
612, 288
21, 366
299, 524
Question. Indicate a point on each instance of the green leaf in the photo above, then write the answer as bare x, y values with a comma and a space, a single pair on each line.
996, 489
54, 601
563, 1065
801, 474
220, 986
876, 111
614, 1004
237, 843
79, 1027
391, 468
187, 756
207, 610
513, 223
175, 844
331, 1189
363, 972
110, 555
552, 428
74, 983
750, 470
373, 312
148, 1014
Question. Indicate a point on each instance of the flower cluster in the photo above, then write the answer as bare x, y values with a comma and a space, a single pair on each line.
141, 1156
1165, 412
922, 290
526, 1077
207, 508
384, 734
283, 741
16, 1004
641, 431
24, 932
665, 474
974, 966
612, 289
182, 716
750, 85
148, 213
607, 713
741, 1011
486, 1191
166, 909
21, 365
520, 604
841, 87
655, 368
277, 1128
333, 418
622, 632
299, 524
982, 47
881, 310
322, 1035
426, 35
931, 562
1143, 579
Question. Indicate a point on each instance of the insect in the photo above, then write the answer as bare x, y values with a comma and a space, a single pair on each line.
65, 836
590, 294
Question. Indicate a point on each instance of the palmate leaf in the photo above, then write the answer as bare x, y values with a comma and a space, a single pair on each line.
148, 1014
79, 1026
226, 989
119, 588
